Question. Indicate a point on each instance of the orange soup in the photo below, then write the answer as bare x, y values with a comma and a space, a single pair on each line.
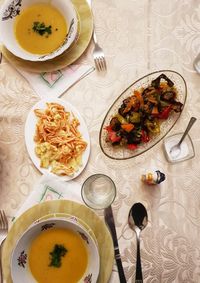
40, 28
44, 264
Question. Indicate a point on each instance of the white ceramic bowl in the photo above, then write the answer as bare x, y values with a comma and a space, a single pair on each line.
20, 271
12, 8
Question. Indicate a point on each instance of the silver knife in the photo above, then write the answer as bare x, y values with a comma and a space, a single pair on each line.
109, 219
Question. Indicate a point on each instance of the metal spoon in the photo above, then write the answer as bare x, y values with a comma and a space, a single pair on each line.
176, 149
138, 220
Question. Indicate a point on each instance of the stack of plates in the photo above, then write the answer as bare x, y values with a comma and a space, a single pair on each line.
69, 210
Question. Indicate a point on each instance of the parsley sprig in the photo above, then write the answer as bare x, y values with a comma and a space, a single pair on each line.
41, 28
58, 252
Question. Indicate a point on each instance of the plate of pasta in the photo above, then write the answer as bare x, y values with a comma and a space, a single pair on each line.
57, 138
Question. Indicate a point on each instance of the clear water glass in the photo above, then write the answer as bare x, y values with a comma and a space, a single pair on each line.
98, 191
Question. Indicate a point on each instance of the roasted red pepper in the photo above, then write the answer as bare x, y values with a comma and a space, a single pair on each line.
165, 113
112, 135
132, 146
145, 138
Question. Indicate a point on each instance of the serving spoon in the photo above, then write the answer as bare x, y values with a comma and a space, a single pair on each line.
138, 220
176, 149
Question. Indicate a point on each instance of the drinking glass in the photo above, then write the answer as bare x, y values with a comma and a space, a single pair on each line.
98, 191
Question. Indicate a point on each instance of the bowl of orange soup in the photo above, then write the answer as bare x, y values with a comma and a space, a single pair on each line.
38, 30
55, 250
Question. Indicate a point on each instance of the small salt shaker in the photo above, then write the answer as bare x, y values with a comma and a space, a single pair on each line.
153, 178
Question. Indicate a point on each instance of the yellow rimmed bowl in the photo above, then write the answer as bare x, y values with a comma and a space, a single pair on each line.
11, 11
20, 264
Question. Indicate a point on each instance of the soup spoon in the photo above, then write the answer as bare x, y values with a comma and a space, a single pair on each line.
138, 220
176, 149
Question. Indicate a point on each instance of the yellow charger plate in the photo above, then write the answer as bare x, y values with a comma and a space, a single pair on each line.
105, 244
67, 57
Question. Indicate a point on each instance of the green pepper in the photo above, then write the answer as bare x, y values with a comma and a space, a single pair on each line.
153, 126
121, 119
135, 117
164, 103
165, 112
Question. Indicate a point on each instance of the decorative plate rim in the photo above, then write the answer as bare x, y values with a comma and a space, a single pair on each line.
70, 217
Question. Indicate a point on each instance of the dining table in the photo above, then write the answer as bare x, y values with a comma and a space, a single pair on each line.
137, 37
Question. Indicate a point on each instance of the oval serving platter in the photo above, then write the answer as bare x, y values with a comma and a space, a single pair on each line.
118, 152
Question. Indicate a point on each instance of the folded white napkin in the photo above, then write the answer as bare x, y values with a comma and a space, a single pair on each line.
54, 84
50, 188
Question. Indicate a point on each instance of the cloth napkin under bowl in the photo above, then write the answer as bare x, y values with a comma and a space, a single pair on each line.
50, 188
55, 83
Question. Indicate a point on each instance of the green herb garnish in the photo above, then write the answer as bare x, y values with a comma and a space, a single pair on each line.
58, 252
41, 28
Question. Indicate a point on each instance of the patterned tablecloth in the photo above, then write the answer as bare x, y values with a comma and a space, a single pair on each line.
137, 37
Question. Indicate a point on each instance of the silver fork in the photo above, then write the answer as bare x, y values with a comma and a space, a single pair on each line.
98, 54
3, 234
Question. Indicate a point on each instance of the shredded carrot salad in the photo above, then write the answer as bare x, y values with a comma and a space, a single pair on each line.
59, 144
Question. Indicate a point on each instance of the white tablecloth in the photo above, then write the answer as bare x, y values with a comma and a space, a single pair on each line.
137, 37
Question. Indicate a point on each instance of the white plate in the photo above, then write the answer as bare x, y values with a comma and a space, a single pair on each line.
30, 127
